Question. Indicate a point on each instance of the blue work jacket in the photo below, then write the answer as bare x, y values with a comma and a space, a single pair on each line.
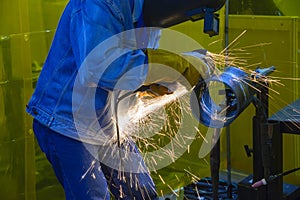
91, 52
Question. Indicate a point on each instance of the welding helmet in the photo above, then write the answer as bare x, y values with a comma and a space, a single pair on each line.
166, 13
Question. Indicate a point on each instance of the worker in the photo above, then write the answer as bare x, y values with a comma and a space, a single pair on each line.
74, 59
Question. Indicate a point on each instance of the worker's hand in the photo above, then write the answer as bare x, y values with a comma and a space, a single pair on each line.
202, 60
153, 90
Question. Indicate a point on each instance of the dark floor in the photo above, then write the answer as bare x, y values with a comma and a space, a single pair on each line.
203, 189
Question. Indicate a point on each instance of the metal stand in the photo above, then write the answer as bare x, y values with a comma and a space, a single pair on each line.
267, 153
229, 183
267, 159
215, 165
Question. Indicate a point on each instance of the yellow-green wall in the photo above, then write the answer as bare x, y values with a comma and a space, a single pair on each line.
26, 32
268, 41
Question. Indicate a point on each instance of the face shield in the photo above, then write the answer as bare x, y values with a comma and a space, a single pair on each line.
166, 13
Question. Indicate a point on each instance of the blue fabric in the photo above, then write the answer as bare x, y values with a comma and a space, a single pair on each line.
82, 27
83, 176
78, 57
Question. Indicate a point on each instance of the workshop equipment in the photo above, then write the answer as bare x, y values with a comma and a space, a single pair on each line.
223, 97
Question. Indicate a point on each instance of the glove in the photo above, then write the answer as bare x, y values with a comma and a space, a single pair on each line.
193, 66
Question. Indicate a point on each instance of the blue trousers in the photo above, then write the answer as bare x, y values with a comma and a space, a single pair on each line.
85, 178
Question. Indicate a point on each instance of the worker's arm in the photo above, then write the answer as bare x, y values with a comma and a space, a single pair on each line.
105, 51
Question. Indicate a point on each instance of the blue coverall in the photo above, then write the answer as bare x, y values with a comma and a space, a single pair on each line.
71, 147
